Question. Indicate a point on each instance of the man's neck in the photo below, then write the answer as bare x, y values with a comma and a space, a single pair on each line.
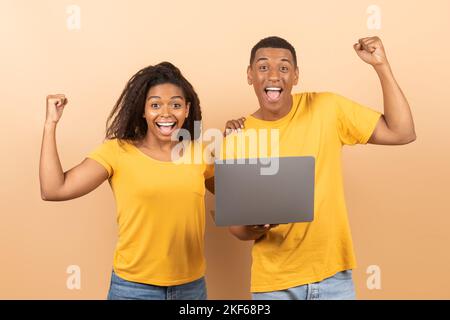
273, 115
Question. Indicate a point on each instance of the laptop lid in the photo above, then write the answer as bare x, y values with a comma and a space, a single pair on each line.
248, 193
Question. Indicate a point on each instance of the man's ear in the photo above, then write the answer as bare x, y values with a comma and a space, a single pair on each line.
297, 75
249, 75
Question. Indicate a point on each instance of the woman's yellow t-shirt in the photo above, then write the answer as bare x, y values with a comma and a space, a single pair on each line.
318, 125
160, 213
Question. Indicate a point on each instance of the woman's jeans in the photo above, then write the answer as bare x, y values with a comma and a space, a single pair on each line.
122, 289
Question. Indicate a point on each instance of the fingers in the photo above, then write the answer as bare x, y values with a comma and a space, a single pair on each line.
61, 102
56, 96
241, 122
364, 44
357, 46
261, 228
58, 100
234, 125
368, 44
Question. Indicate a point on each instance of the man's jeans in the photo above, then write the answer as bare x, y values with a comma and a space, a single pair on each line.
338, 287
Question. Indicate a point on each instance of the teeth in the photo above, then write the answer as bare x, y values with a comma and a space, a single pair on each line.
165, 124
273, 89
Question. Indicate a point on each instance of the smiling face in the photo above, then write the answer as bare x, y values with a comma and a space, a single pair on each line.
273, 74
166, 110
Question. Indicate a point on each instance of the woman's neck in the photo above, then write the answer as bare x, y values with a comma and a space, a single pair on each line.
154, 143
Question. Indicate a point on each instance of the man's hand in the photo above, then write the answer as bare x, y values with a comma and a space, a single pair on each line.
251, 232
261, 228
371, 51
257, 231
234, 125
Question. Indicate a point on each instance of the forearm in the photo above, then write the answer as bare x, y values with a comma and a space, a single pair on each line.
209, 184
51, 174
245, 233
397, 112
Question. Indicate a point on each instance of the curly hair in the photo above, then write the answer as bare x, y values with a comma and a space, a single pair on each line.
126, 122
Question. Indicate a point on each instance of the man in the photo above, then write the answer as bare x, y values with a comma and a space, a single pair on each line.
314, 260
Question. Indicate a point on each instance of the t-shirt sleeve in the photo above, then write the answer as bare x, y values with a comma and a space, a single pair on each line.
106, 155
355, 122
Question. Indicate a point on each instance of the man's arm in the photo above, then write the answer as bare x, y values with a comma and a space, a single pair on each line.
396, 126
253, 232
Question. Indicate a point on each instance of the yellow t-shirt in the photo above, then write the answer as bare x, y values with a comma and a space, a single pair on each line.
160, 214
318, 125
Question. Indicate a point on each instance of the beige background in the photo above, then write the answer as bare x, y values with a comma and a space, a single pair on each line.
397, 197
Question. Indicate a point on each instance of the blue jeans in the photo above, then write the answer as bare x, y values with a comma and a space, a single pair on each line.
338, 287
122, 289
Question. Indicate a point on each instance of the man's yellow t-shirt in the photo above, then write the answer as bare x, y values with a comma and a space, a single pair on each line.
318, 125
160, 213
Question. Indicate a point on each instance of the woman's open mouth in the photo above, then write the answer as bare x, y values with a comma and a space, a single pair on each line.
273, 93
166, 128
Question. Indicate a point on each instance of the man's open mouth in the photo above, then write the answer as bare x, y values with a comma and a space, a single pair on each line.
273, 93
166, 128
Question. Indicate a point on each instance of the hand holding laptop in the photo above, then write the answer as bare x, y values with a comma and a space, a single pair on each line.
251, 232
261, 228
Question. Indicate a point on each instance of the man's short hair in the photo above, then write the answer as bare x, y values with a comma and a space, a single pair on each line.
273, 42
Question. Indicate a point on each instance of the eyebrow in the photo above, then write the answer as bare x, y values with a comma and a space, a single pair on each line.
158, 97
282, 59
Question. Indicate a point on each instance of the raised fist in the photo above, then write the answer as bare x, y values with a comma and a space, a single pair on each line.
55, 107
371, 51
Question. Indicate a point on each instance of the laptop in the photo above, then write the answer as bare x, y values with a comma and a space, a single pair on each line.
264, 190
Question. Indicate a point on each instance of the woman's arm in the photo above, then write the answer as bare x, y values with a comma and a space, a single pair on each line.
57, 185
209, 184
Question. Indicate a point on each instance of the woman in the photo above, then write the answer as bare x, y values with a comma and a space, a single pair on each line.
159, 200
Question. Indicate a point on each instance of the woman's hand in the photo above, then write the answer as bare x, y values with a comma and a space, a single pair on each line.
55, 107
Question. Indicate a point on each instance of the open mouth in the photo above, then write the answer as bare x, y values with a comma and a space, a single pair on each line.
273, 93
166, 128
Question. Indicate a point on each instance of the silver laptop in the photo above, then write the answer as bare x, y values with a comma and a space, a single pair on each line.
264, 191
